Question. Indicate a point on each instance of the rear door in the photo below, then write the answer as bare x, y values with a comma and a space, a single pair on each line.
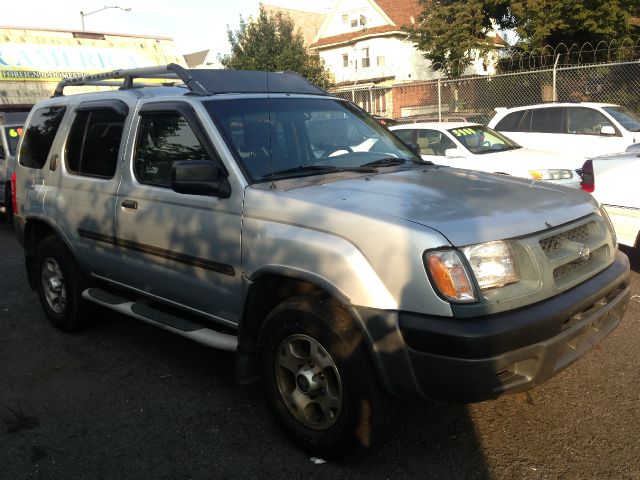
180, 248
88, 178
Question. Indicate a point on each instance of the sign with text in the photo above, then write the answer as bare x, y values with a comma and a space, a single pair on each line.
36, 62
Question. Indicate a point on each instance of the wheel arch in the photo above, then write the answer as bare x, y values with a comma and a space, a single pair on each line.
267, 289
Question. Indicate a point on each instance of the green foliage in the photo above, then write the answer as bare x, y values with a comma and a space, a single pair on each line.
448, 29
271, 43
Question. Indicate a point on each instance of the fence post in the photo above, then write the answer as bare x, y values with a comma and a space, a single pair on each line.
555, 70
439, 99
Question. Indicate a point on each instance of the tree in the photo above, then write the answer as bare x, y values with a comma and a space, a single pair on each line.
271, 43
449, 29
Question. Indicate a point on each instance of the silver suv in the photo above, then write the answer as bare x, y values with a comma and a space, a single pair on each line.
253, 212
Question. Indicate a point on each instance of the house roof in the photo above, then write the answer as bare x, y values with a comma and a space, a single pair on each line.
309, 23
400, 12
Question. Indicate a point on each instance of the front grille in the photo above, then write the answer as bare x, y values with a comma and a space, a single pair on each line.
576, 253
568, 268
553, 244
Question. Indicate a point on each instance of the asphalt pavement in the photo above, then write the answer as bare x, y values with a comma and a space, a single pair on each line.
124, 400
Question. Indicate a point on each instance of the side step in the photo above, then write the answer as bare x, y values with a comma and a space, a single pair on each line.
172, 323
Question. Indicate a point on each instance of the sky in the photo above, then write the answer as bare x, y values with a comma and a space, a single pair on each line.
194, 25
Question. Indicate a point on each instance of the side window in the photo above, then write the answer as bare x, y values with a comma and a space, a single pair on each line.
94, 142
547, 120
585, 121
510, 122
164, 138
39, 136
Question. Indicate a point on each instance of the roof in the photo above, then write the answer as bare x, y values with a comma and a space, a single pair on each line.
400, 12
309, 23
199, 81
555, 104
434, 125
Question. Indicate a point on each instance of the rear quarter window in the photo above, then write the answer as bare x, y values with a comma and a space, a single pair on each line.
39, 135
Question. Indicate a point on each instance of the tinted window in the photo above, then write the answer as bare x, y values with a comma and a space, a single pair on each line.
39, 136
94, 142
585, 121
164, 138
510, 122
547, 120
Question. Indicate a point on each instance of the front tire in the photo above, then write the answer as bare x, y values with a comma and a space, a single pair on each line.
318, 377
60, 283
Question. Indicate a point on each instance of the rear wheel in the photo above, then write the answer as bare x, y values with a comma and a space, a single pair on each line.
317, 376
60, 283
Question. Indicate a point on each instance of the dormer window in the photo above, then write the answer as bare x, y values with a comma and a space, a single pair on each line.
354, 19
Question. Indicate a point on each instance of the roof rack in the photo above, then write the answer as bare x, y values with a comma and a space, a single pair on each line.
125, 78
198, 81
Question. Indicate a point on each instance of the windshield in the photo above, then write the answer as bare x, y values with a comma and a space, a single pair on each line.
478, 139
284, 137
12, 134
628, 119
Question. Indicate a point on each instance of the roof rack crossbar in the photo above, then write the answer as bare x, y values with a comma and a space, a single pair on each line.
171, 71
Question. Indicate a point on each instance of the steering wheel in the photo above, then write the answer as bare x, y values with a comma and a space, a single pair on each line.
333, 150
486, 143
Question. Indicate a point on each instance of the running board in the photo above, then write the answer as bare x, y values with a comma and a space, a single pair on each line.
166, 321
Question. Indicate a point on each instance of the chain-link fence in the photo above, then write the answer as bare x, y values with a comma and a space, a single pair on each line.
475, 98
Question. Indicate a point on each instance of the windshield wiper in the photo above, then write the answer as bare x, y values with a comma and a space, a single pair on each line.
318, 169
391, 162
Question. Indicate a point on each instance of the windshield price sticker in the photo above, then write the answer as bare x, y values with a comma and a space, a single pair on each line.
15, 132
461, 132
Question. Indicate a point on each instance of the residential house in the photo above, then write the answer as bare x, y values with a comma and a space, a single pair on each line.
364, 43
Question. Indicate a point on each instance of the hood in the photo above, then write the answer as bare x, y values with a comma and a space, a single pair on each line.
466, 207
531, 159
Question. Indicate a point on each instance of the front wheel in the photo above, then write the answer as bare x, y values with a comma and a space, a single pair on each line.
60, 283
317, 376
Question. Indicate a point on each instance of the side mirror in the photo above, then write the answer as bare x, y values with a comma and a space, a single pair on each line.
415, 148
607, 130
453, 153
199, 177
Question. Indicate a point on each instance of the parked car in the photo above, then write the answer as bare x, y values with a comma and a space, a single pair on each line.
584, 129
475, 147
612, 179
216, 210
448, 116
10, 132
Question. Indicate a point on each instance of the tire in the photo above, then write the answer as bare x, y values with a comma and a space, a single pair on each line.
60, 283
318, 377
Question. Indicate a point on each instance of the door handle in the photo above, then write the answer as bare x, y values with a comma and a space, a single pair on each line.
53, 163
132, 204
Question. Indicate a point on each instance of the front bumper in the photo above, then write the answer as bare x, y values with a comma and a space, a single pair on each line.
475, 359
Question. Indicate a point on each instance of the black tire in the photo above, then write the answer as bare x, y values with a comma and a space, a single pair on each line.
352, 421
8, 205
60, 283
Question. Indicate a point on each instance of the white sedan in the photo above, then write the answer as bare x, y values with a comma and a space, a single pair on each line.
476, 147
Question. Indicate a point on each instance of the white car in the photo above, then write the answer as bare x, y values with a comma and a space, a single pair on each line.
476, 147
585, 129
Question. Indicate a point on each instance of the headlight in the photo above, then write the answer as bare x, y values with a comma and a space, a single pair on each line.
605, 216
551, 174
449, 275
492, 263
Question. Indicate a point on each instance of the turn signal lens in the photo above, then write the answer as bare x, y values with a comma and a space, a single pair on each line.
449, 275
